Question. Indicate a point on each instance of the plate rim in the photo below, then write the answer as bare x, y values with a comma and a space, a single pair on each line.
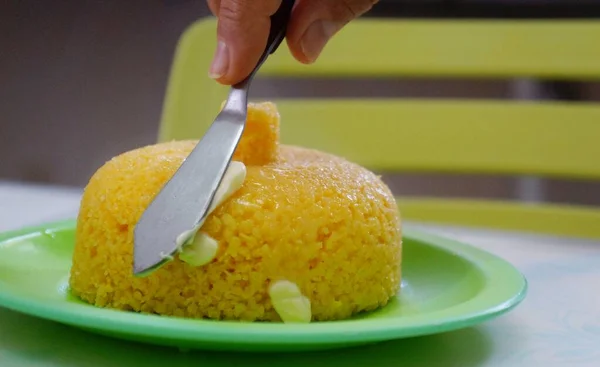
496, 298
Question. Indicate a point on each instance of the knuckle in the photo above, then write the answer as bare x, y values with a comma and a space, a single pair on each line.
232, 11
356, 8
240, 10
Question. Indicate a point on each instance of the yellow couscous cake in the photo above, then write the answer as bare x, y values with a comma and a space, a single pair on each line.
307, 237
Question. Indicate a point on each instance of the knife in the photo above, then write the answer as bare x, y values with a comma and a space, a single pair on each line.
183, 202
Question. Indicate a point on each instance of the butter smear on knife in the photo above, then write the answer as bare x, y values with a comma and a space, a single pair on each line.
199, 249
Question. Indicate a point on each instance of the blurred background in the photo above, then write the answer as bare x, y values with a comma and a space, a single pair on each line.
82, 81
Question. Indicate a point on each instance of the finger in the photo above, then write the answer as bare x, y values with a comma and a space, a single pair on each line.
213, 5
242, 32
314, 22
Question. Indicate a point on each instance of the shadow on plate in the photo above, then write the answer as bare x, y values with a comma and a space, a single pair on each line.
26, 340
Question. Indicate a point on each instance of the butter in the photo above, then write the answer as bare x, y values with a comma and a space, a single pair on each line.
200, 249
232, 181
289, 303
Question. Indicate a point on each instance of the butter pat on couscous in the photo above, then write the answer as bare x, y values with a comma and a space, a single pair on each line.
289, 302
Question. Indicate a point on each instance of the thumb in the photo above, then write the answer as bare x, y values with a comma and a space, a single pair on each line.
242, 32
314, 22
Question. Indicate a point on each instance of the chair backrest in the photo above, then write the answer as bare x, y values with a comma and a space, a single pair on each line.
549, 138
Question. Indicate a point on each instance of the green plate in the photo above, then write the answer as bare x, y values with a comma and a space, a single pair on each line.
446, 285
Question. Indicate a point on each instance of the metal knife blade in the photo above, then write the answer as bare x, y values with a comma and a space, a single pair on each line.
183, 202
186, 197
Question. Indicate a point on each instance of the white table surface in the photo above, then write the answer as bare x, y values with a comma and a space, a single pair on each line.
558, 324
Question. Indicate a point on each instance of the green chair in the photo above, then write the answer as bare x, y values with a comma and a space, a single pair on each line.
504, 137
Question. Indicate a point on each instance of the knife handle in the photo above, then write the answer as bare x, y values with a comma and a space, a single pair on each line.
279, 22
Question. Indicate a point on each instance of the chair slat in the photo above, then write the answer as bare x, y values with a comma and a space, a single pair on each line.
551, 139
434, 48
550, 219
545, 49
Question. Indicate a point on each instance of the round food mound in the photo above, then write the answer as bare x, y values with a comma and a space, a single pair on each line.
304, 216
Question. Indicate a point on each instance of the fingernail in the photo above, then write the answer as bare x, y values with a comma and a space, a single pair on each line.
315, 38
220, 62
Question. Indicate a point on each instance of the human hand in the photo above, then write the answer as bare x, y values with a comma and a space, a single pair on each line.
243, 29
